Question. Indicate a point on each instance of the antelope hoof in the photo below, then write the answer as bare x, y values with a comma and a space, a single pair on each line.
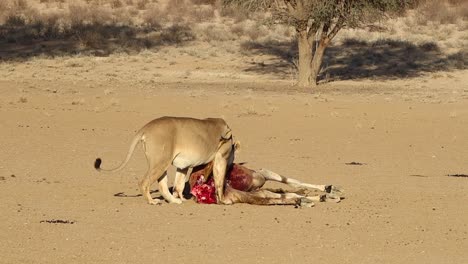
305, 203
154, 202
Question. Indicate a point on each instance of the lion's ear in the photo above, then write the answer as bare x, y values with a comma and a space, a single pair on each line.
227, 133
237, 146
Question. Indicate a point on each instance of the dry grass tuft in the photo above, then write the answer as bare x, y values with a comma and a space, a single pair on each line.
177, 34
141, 4
116, 4
235, 13
205, 2
444, 12
94, 27
429, 38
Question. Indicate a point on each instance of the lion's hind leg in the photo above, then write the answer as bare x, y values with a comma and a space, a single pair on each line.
145, 187
164, 189
179, 182
158, 173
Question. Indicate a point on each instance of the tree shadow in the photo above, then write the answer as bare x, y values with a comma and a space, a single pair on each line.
285, 51
355, 59
186, 193
22, 41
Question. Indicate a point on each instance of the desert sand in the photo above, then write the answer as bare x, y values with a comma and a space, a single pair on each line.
400, 204
407, 131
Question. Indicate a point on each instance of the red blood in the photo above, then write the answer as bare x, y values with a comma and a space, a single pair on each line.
204, 192
239, 177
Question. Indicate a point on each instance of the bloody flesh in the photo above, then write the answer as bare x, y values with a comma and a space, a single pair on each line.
238, 177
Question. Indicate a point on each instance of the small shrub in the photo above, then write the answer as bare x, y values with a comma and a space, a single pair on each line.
353, 42
3, 12
463, 10
177, 34
21, 4
133, 11
238, 29
216, 32
429, 46
459, 60
15, 21
116, 4
256, 31
141, 4
178, 8
238, 14
201, 13
444, 12
204, 2
153, 17
78, 14
91, 39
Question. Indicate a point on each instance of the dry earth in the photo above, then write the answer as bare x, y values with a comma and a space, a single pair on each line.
58, 115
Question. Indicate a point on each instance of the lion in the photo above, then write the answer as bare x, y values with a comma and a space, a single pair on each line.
184, 143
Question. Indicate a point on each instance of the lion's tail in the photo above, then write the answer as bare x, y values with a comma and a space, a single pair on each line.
136, 139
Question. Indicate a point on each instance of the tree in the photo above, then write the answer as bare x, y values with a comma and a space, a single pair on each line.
318, 21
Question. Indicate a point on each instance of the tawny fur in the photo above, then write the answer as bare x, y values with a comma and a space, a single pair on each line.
185, 143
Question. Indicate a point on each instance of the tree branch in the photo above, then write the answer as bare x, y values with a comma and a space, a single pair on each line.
338, 25
291, 9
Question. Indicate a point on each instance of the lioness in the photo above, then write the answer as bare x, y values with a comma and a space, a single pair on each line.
185, 143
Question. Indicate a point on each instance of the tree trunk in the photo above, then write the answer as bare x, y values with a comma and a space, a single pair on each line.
305, 59
317, 60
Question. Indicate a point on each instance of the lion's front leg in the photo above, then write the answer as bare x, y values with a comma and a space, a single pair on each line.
219, 175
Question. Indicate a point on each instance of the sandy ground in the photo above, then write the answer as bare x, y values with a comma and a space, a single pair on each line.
400, 206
